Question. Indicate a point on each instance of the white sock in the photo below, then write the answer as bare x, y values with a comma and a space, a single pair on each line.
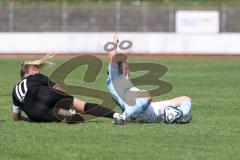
185, 107
125, 116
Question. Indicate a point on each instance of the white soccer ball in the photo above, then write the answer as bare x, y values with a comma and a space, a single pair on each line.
172, 114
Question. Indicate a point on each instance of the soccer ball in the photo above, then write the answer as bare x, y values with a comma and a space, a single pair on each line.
172, 114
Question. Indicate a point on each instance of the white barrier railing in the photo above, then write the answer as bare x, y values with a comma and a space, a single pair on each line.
153, 43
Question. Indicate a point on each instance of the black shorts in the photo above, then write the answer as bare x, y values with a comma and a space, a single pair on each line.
42, 107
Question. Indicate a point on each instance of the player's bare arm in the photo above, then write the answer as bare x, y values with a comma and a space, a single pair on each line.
59, 89
112, 54
19, 117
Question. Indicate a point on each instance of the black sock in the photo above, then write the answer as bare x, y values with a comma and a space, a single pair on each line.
98, 110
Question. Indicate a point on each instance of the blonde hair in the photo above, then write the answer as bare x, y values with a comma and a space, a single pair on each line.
40, 63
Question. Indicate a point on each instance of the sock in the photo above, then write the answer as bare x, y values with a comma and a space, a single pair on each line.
97, 110
141, 105
125, 116
185, 107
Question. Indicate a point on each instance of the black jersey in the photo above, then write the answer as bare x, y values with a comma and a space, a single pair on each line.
26, 89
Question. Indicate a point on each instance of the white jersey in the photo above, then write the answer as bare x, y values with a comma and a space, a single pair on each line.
153, 111
117, 90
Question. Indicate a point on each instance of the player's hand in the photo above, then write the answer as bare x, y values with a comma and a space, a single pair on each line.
115, 38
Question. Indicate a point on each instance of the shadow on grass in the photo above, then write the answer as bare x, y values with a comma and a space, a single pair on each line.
2, 120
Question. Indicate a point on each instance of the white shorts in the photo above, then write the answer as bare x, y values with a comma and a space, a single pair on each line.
153, 113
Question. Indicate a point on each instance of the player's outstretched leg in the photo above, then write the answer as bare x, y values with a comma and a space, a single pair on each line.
96, 110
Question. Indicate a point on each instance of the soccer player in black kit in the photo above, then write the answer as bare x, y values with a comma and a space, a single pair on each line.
39, 98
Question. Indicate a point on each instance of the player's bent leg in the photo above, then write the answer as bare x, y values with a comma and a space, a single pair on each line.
64, 111
184, 104
178, 100
149, 116
186, 108
41, 113
166, 111
140, 105
174, 110
137, 102
160, 106
78, 105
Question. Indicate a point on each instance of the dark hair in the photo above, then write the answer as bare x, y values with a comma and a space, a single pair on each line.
120, 59
120, 67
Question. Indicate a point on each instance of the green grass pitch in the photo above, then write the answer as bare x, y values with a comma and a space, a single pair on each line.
213, 134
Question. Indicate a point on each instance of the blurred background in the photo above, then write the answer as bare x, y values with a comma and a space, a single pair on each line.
108, 15
154, 26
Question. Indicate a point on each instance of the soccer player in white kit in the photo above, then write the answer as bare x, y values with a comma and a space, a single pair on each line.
137, 104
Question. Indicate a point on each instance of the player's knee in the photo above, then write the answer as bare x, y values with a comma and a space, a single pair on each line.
149, 99
185, 98
145, 103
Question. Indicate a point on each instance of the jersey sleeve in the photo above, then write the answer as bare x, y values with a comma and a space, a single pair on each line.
44, 80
